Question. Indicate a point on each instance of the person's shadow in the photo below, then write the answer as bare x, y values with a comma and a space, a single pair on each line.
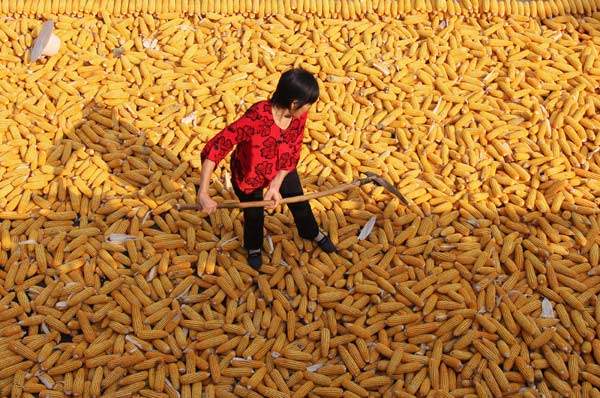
122, 180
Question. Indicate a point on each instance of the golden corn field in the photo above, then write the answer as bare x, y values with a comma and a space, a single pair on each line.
483, 113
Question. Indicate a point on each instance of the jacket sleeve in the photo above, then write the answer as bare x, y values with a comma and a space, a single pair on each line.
218, 147
288, 161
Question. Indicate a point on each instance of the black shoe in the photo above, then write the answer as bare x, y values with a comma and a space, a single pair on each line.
326, 244
255, 260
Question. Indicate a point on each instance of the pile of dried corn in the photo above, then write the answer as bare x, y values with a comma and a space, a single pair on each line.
345, 9
488, 124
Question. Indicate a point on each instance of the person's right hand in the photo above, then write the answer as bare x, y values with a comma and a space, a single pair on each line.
206, 203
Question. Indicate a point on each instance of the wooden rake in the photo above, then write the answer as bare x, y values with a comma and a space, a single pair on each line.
370, 178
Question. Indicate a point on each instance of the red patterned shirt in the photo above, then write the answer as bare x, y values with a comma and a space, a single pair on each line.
262, 148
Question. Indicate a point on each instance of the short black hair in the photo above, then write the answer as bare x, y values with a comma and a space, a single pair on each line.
295, 85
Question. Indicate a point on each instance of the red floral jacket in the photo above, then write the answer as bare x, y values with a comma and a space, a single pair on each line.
262, 148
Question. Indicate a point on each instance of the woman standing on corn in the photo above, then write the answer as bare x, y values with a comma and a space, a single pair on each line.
268, 140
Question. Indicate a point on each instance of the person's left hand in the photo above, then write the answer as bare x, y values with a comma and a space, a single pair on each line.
274, 195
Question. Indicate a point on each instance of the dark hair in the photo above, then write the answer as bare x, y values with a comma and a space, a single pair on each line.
295, 85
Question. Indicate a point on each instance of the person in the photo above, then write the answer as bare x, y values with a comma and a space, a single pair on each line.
267, 140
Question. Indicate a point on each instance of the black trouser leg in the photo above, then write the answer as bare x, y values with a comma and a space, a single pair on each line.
254, 218
303, 216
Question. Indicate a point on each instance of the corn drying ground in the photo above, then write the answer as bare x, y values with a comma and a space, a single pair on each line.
487, 287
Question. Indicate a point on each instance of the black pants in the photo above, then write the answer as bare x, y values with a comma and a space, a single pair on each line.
254, 217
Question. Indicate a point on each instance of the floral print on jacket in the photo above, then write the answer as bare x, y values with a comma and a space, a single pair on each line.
261, 147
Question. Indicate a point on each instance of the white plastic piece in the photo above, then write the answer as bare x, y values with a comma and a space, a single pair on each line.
28, 242
46, 44
229, 240
228, 185
133, 341
151, 274
62, 305
547, 309
366, 230
150, 43
315, 367
190, 118
120, 238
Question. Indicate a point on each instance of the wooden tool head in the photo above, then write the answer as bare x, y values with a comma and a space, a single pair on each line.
379, 180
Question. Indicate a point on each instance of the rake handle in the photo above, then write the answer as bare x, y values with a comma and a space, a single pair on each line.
291, 199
